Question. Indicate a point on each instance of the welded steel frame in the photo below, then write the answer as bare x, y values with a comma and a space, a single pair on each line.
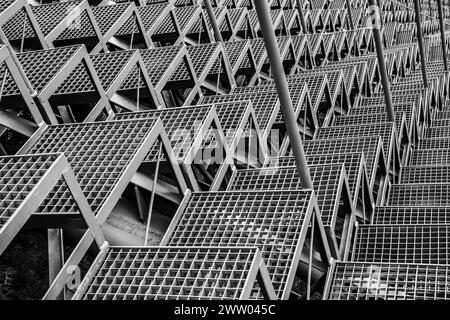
242, 61
385, 281
219, 261
47, 93
14, 8
371, 147
241, 27
50, 169
186, 160
358, 181
238, 131
197, 16
130, 61
302, 51
152, 21
154, 135
286, 179
312, 213
131, 12
262, 111
388, 133
10, 119
207, 79
161, 65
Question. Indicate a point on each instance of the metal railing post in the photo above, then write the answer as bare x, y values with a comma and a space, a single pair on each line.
441, 27
420, 39
376, 25
263, 12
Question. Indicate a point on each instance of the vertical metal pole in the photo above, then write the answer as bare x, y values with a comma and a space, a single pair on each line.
263, 12
212, 18
302, 17
441, 26
420, 39
152, 196
4, 41
376, 25
349, 12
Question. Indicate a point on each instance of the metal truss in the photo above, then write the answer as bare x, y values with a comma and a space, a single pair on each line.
374, 112
371, 147
152, 16
145, 273
111, 18
192, 132
411, 215
331, 188
56, 83
240, 23
250, 218
387, 132
386, 281
188, 17
278, 22
242, 61
25, 182
61, 23
302, 53
242, 133
171, 75
265, 104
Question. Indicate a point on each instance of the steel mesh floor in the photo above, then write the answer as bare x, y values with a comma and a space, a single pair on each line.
154, 273
388, 281
273, 221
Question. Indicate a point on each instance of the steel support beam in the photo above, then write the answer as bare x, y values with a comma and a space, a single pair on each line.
263, 12
441, 27
376, 26
420, 39
212, 18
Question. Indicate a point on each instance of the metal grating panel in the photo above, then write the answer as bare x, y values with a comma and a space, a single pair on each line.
383, 281
327, 181
273, 221
266, 104
430, 157
18, 176
98, 153
402, 244
385, 130
154, 273
439, 143
182, 126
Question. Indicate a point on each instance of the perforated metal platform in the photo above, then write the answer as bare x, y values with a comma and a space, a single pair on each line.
106, 151
411, 215
269, 220
402, 244
419, 195
155, 273
426, 174
387, 281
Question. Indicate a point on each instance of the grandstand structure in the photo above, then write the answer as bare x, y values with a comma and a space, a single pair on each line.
148, 140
